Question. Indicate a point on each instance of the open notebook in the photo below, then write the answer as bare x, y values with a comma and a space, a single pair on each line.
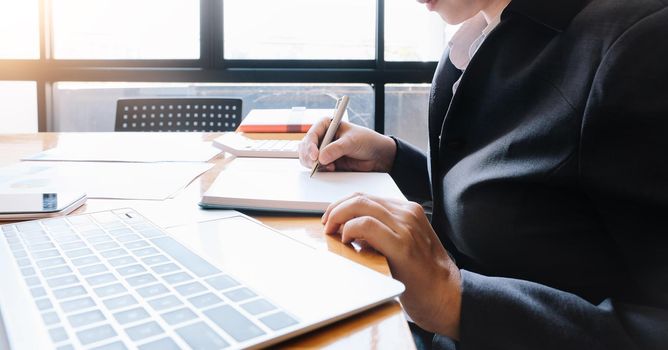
284, 185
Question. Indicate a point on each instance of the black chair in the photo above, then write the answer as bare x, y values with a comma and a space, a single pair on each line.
178, 114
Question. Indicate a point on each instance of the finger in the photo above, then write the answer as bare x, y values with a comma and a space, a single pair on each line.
335, 150
308, 147
374, 232
357, 207
391, 204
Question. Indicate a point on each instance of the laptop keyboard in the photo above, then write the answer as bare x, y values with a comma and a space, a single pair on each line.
113, 280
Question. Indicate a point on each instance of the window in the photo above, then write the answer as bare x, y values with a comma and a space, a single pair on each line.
406, 109
75, 102
299, 29
18, 106
126, 29
412, 33
19, 29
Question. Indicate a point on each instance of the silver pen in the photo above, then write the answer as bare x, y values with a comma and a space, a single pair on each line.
341, 106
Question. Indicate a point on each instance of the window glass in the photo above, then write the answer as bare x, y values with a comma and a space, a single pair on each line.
412, 33
75, 103
19, 29
19, 106
126, 29
299, 29
406, 110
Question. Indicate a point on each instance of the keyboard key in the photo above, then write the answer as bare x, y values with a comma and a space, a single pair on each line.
140, 280
29, 226
114, 253
33, 281
44, 304
95, 334
162, 344
101, 279
145, 251
185, 257
201, 336
120, 302
69, 292
56, 271
99, 239
278, 321
177, 278
154, 260
92, 269
240, 294
136, 244
78, 253
50, 318
144, 331
131, 270
77, 304
66, 239
222, 282
58, 334
124, 260
86, 318
233, 323
131, 315
45, 254
258, 306
62, 281
190, 288
113, 346
27, 271
178, 316
40, 246
152, 291
87, 260
51, 262
110, 290
20, 253
23, 262
120, 232
165, 303
128, 238
105, 246
204, 300
165, 268
73, 245
151, 233
38, 292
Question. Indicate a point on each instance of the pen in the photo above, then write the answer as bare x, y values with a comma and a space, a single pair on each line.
341, 106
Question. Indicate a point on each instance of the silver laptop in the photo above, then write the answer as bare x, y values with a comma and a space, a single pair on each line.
113, 280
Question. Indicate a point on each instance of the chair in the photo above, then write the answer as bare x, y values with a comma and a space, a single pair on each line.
178, 114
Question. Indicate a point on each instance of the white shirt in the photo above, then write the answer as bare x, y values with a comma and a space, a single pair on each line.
468, 39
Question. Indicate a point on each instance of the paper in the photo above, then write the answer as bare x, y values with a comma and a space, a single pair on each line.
129, 147
155, 181
284, 185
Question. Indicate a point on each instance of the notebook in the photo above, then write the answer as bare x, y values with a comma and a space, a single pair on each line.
113, 280
284, 185
297, 119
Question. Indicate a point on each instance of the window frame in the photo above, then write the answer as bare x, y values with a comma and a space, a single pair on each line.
212, 67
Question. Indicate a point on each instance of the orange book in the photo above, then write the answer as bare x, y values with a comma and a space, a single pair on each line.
297, 120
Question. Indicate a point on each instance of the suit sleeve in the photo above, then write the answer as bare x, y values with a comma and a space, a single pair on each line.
410, 173
624, 172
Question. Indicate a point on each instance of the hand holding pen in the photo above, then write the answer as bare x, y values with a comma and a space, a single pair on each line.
341, 106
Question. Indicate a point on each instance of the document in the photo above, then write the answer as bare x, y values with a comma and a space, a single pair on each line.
154, 181
129, 147
284, 185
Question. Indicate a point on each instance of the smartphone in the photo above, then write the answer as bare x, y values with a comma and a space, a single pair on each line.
29, 206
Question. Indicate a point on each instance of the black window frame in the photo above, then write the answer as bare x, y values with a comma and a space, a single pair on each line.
212, 67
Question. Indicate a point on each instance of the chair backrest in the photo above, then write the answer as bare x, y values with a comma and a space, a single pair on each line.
178, 114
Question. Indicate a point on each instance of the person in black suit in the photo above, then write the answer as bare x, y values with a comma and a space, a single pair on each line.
548, 173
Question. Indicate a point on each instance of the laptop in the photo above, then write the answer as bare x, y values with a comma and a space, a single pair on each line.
114, 280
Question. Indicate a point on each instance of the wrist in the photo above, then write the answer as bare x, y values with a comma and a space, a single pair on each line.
386, 154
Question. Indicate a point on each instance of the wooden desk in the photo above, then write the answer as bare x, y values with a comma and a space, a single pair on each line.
383, 327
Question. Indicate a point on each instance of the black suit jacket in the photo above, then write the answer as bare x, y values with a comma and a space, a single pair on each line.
548, 171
